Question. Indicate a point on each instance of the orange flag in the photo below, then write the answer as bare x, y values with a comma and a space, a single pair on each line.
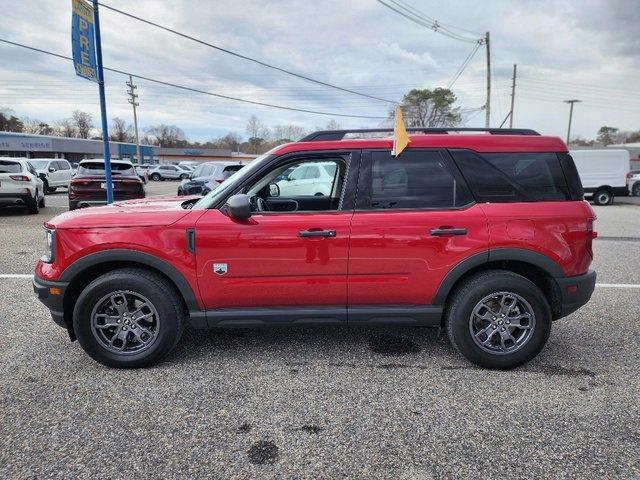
400, 137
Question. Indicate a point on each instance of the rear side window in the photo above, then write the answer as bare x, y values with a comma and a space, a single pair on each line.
415, 179
513, 177
10, 167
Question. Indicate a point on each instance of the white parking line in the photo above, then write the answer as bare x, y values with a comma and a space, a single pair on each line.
600, 285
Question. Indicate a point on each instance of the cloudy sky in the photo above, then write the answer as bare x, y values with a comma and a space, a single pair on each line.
585, 49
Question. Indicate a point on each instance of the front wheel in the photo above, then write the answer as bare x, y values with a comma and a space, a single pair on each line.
603, 197
156, 177
184, 176
128, 318
498, 319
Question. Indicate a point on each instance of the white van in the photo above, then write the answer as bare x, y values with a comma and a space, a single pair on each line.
603, 173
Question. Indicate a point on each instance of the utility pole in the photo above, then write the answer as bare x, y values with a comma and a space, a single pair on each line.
513, 95
570, 102
488, 104
132, 101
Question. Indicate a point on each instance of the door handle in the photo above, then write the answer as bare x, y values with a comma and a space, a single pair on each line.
316, 233
445, 232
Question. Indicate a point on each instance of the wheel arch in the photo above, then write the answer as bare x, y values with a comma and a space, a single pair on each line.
532, 265
80, 273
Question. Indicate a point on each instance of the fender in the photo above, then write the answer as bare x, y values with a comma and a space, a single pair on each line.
493, 255
124, 255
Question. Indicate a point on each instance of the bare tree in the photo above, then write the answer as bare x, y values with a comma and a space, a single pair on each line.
257, 132
333, 125
167, 135
287, 133
83, 123
231, 141
64, 128
37, 127
120, 131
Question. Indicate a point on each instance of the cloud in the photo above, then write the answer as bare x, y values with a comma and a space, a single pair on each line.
579, 48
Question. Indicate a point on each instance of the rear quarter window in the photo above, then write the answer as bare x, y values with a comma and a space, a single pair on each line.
10, 167
513, 177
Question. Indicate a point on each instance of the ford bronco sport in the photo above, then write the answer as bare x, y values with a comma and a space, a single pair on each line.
484, 233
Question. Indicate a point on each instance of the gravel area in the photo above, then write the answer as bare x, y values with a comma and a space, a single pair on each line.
325, 402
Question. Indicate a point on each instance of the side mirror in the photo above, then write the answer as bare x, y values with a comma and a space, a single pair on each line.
52, 169
239, 207
274, 190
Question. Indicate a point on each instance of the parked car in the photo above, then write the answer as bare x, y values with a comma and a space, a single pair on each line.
88, 188
603, 173
208, 176
143, 173
170, 172
633, 182
485, 235
20, 184
54, 172
308, 176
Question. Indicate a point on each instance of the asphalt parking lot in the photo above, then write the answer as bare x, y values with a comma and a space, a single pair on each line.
323, 403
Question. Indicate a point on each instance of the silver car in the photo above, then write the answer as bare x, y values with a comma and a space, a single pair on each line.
168, 172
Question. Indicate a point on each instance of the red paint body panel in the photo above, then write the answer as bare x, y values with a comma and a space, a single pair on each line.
269, 264
561, 231
395, 260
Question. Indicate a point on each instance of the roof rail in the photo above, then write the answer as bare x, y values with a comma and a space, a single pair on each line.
323, 135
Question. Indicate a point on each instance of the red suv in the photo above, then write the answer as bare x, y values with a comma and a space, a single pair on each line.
484, 233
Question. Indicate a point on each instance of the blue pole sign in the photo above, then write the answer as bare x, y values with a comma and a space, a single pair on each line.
83, 40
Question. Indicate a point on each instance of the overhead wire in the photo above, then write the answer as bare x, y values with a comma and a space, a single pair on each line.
244, 57
196, 90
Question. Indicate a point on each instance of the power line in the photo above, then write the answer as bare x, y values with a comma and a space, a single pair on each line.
420, 13
430, 24
196, 90
463, 66
244, 57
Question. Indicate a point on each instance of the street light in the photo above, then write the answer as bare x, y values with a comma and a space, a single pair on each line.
570, 102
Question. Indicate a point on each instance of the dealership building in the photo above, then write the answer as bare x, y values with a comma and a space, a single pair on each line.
76, 149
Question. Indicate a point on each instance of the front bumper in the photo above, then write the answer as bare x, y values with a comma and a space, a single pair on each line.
51, 294
575, 292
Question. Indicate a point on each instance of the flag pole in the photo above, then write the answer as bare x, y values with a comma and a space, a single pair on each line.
103, 104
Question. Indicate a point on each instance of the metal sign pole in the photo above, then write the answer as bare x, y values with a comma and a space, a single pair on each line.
103, 104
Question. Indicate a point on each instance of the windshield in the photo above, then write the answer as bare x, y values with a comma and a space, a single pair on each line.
39, 164
97, 168
237, 178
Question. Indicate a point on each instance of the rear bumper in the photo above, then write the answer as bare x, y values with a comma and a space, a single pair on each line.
575, 292
15, 198
53, 301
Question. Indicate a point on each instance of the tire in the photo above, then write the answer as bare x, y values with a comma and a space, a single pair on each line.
603, 197
33, 205
53, 189
635, 191
162, 329
184, 176
45, 186
462, 322
41, 203
156, 177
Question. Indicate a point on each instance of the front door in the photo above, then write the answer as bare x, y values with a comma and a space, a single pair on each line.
415, 219
292, 251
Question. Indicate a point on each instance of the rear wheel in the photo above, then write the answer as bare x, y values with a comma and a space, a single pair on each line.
128, 318
41, 203
603, 197
33, 205
498, 319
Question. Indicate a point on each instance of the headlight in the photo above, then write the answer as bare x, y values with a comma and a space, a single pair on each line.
50, 236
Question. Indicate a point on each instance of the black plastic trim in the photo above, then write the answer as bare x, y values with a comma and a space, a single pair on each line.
124, 255
424, 316
456, 273
617, 191
570, 302
260, 317
528, 256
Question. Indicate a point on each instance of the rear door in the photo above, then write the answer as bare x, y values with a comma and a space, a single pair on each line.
415, 219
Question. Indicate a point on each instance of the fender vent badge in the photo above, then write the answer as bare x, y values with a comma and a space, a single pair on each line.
219, 268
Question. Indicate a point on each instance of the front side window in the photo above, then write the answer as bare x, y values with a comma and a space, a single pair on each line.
415, 179
298, 186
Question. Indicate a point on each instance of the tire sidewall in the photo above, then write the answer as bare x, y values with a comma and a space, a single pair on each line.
169, 328
463, 307
597, 195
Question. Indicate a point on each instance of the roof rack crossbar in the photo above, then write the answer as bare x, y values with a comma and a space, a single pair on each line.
324, 135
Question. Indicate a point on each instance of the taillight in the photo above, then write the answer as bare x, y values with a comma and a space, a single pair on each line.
219, 180
19, 178
591, 234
